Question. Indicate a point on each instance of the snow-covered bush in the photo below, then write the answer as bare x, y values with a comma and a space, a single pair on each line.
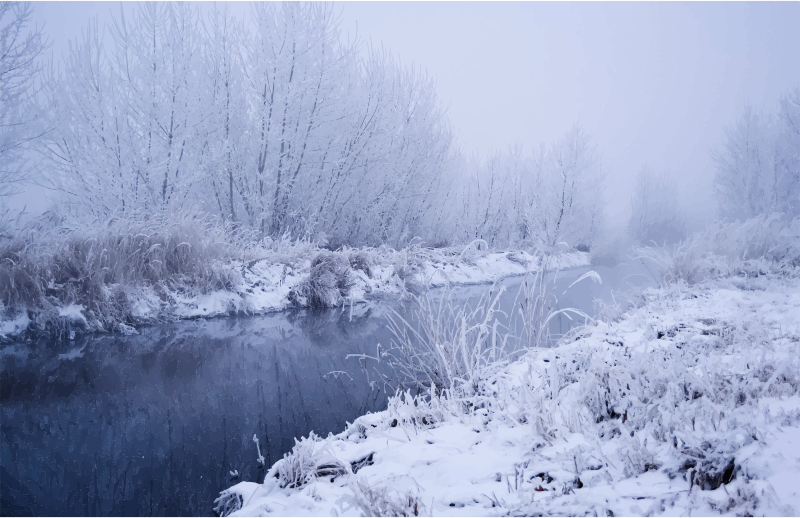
329, 281
48, 267
409, 267
309, 459
396, 497
228, 503
420, 411
728, 248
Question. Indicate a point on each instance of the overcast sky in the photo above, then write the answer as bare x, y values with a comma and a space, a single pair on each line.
652, 82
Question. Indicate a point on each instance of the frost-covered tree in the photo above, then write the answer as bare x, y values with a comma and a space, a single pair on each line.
654, 208
491, 196
757, 166
129, 133
225, 128
788, 145
566, 202
278, 126
21, 120
553, 195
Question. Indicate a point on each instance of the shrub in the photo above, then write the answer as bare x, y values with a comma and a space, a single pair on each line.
328, 282
362, 260
48, 266
309, 459
400, 500
729, 248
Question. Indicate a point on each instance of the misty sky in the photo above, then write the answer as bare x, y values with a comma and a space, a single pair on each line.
652, 82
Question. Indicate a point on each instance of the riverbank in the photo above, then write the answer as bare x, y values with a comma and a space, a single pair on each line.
298, 275
689, 403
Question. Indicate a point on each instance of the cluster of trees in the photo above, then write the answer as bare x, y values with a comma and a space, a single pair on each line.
550, 196
281, 127
758, 166
21, 119
757, 173
278, 126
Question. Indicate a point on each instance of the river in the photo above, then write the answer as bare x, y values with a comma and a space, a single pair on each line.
159, 422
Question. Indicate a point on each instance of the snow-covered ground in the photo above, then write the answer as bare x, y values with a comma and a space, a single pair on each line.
689, 404
266, 285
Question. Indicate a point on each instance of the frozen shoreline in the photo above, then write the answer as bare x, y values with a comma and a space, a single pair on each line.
268, 285
672, 409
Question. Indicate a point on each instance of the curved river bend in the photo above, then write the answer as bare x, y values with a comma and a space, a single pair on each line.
156, 423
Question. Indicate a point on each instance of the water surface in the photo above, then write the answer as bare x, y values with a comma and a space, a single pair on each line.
154, 423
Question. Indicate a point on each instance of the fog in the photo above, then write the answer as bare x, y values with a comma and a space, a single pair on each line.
579, 221
651, 82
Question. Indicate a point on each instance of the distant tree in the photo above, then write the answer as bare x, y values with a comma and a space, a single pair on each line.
21, 120
757, 166
566, 201
551, 196
788, 121
654, 208
487, 196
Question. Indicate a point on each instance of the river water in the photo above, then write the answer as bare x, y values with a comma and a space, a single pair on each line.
159, 422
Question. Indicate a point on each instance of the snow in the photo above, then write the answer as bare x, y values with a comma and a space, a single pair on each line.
265, 287
13, 325
636, 417
73, 312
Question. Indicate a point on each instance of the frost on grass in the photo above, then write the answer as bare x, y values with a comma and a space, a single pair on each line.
310, 459
154, 268
689, 402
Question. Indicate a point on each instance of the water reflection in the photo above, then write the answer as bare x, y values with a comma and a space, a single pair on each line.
153, 424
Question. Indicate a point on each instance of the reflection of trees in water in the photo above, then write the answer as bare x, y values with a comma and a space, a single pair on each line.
153, 423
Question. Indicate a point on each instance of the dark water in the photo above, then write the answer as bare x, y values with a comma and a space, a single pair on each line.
153, 424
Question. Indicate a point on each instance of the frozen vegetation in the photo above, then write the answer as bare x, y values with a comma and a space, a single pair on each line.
305, 144
688, 402
200, 163
124, 277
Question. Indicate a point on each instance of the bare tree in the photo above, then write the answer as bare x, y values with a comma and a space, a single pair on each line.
788, 144
21, 120
566, 201
757, 167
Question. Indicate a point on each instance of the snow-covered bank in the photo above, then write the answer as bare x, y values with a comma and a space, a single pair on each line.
266, 287
272, 282
688, 404
270, 287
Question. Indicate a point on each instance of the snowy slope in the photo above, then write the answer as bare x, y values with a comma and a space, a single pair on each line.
689, 404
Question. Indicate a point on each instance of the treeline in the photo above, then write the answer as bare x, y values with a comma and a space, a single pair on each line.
276, 125
756, 174
758, 166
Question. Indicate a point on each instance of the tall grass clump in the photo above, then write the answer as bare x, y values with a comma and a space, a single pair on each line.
752, 247
460, 351
328, 282
50, 264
